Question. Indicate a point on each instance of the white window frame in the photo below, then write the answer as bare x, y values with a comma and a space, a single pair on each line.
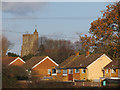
65, 74
54, 73
83, 70
106, 70
49, 70
76, 70
70, 71
58, 70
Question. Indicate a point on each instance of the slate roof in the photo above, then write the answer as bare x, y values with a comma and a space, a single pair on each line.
33, 61
80, 61
7, 60
114, 64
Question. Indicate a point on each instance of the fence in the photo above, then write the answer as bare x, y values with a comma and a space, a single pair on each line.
88, 84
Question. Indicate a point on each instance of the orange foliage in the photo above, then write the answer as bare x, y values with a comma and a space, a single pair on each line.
102, 29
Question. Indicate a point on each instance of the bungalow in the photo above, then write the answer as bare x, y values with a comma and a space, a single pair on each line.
112, 70
81, 67
16, 61
40, 66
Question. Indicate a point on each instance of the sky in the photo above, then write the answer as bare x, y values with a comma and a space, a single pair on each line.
57, 20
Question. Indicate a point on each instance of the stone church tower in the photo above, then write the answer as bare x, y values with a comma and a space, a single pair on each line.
30, 44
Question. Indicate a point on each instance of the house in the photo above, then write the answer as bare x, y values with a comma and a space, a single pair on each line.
111, 74
81, 67
40, 66
112, 70
16, 61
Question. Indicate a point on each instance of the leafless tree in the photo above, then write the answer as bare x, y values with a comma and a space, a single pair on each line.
6, 45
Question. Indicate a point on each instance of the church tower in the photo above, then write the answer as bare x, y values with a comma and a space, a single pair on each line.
30, 44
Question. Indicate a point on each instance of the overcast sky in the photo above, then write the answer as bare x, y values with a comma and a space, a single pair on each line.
58, 20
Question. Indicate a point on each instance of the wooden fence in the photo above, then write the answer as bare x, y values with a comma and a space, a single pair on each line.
88, 84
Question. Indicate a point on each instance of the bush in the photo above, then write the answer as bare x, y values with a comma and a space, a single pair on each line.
10, 76
27, 57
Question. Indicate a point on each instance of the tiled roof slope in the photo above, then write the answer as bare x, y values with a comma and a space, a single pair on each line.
7, 60
80, 61
33, 61
114, 64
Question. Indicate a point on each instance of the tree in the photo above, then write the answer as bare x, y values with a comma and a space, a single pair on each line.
6, 44
13, 54
85, 44
41, 50
27, 57
106, 32
58, 50
10, 75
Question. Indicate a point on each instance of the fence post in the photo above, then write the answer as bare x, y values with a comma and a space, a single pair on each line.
83, 83
91, 84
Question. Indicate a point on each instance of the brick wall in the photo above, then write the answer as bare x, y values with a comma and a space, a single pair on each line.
42, 68
18, 62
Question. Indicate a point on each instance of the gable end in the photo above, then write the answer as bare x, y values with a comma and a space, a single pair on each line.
44, 60
16, 60
98, 59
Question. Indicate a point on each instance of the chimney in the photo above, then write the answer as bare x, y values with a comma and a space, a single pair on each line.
77, 53
87, 53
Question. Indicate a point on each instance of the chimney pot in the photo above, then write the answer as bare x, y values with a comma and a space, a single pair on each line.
87, 53
77, 53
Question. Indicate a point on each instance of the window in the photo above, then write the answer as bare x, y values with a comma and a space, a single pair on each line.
70, 71
59, 71
113, 70
77, 70
53, 71
64, 71
49, 71
106, 70
83, 70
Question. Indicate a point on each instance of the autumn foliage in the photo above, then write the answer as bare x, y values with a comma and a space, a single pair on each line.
105, 33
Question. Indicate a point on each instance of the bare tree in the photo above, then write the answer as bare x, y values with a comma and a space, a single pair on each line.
6, 44
58, 50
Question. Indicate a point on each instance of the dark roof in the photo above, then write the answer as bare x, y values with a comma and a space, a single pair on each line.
91, 58
65, 62
7, 60
114, 64
80, 61
33, 61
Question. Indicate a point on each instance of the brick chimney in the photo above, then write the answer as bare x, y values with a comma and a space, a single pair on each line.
87, 53
77, 53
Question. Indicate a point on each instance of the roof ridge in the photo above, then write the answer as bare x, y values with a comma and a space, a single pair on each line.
74, 58
40, 56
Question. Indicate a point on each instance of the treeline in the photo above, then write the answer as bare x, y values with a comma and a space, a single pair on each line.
104, 37
58, 50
